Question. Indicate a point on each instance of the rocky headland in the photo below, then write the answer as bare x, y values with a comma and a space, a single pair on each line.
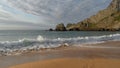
105, 20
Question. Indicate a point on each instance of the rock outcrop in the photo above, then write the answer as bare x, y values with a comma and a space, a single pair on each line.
50, 29
105, 20
60, 27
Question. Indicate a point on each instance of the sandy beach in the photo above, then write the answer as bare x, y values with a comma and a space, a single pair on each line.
72, 63
59, 33
102, 55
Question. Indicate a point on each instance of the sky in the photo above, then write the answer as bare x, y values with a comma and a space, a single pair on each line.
45, 14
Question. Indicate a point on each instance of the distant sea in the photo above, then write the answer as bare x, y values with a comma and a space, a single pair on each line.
14, 40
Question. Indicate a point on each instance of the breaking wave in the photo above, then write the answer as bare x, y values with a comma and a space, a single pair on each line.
18, 47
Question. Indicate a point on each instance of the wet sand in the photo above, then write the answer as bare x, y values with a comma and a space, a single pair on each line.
104, 54
72, 63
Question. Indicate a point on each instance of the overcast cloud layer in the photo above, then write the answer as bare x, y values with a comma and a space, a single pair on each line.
57, 11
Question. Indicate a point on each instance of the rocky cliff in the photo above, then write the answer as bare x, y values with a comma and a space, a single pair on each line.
107, 19
60, 27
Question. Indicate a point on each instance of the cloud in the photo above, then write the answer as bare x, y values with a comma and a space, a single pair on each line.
4, 14
11, 18
44, 14
7, 24
60, 10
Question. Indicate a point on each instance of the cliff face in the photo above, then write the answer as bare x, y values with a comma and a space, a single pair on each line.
60, 27
107, 19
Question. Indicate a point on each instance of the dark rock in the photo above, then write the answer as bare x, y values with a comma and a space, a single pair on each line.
50, 29
60, 27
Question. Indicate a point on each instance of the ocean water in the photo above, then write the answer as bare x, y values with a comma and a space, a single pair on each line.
22, 40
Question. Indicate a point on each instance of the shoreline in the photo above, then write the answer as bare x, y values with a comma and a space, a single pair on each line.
65, 52
24, 46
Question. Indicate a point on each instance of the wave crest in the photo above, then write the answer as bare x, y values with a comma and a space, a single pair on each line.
7, 48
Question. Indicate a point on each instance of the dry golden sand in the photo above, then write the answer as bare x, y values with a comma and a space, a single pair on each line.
72, 63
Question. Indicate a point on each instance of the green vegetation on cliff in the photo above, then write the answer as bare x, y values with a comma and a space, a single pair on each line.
105, 20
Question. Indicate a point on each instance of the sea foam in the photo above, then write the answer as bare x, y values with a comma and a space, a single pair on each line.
20, 46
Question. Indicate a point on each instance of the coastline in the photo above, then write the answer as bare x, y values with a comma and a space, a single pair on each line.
60, 49
63, 53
